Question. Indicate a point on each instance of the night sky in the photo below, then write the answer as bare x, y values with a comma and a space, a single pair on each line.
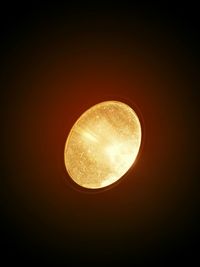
56, 62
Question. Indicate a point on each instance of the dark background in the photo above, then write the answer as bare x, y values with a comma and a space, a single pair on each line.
57, 61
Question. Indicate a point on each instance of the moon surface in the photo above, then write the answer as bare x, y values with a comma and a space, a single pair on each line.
102, 144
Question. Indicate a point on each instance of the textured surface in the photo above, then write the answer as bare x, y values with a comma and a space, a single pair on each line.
103, 144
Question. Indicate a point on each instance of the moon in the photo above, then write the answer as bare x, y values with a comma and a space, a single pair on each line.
102, 145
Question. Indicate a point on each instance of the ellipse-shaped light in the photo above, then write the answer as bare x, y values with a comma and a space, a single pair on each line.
103, 144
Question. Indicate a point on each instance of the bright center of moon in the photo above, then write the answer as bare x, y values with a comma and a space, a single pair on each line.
103, 144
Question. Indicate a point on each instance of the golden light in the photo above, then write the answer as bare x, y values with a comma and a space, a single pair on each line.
103, 144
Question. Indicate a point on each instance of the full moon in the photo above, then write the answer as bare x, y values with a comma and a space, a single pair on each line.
103, 144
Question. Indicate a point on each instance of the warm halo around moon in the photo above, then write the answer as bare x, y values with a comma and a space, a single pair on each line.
102, 144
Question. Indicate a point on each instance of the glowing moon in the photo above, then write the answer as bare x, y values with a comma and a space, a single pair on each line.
103, 144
